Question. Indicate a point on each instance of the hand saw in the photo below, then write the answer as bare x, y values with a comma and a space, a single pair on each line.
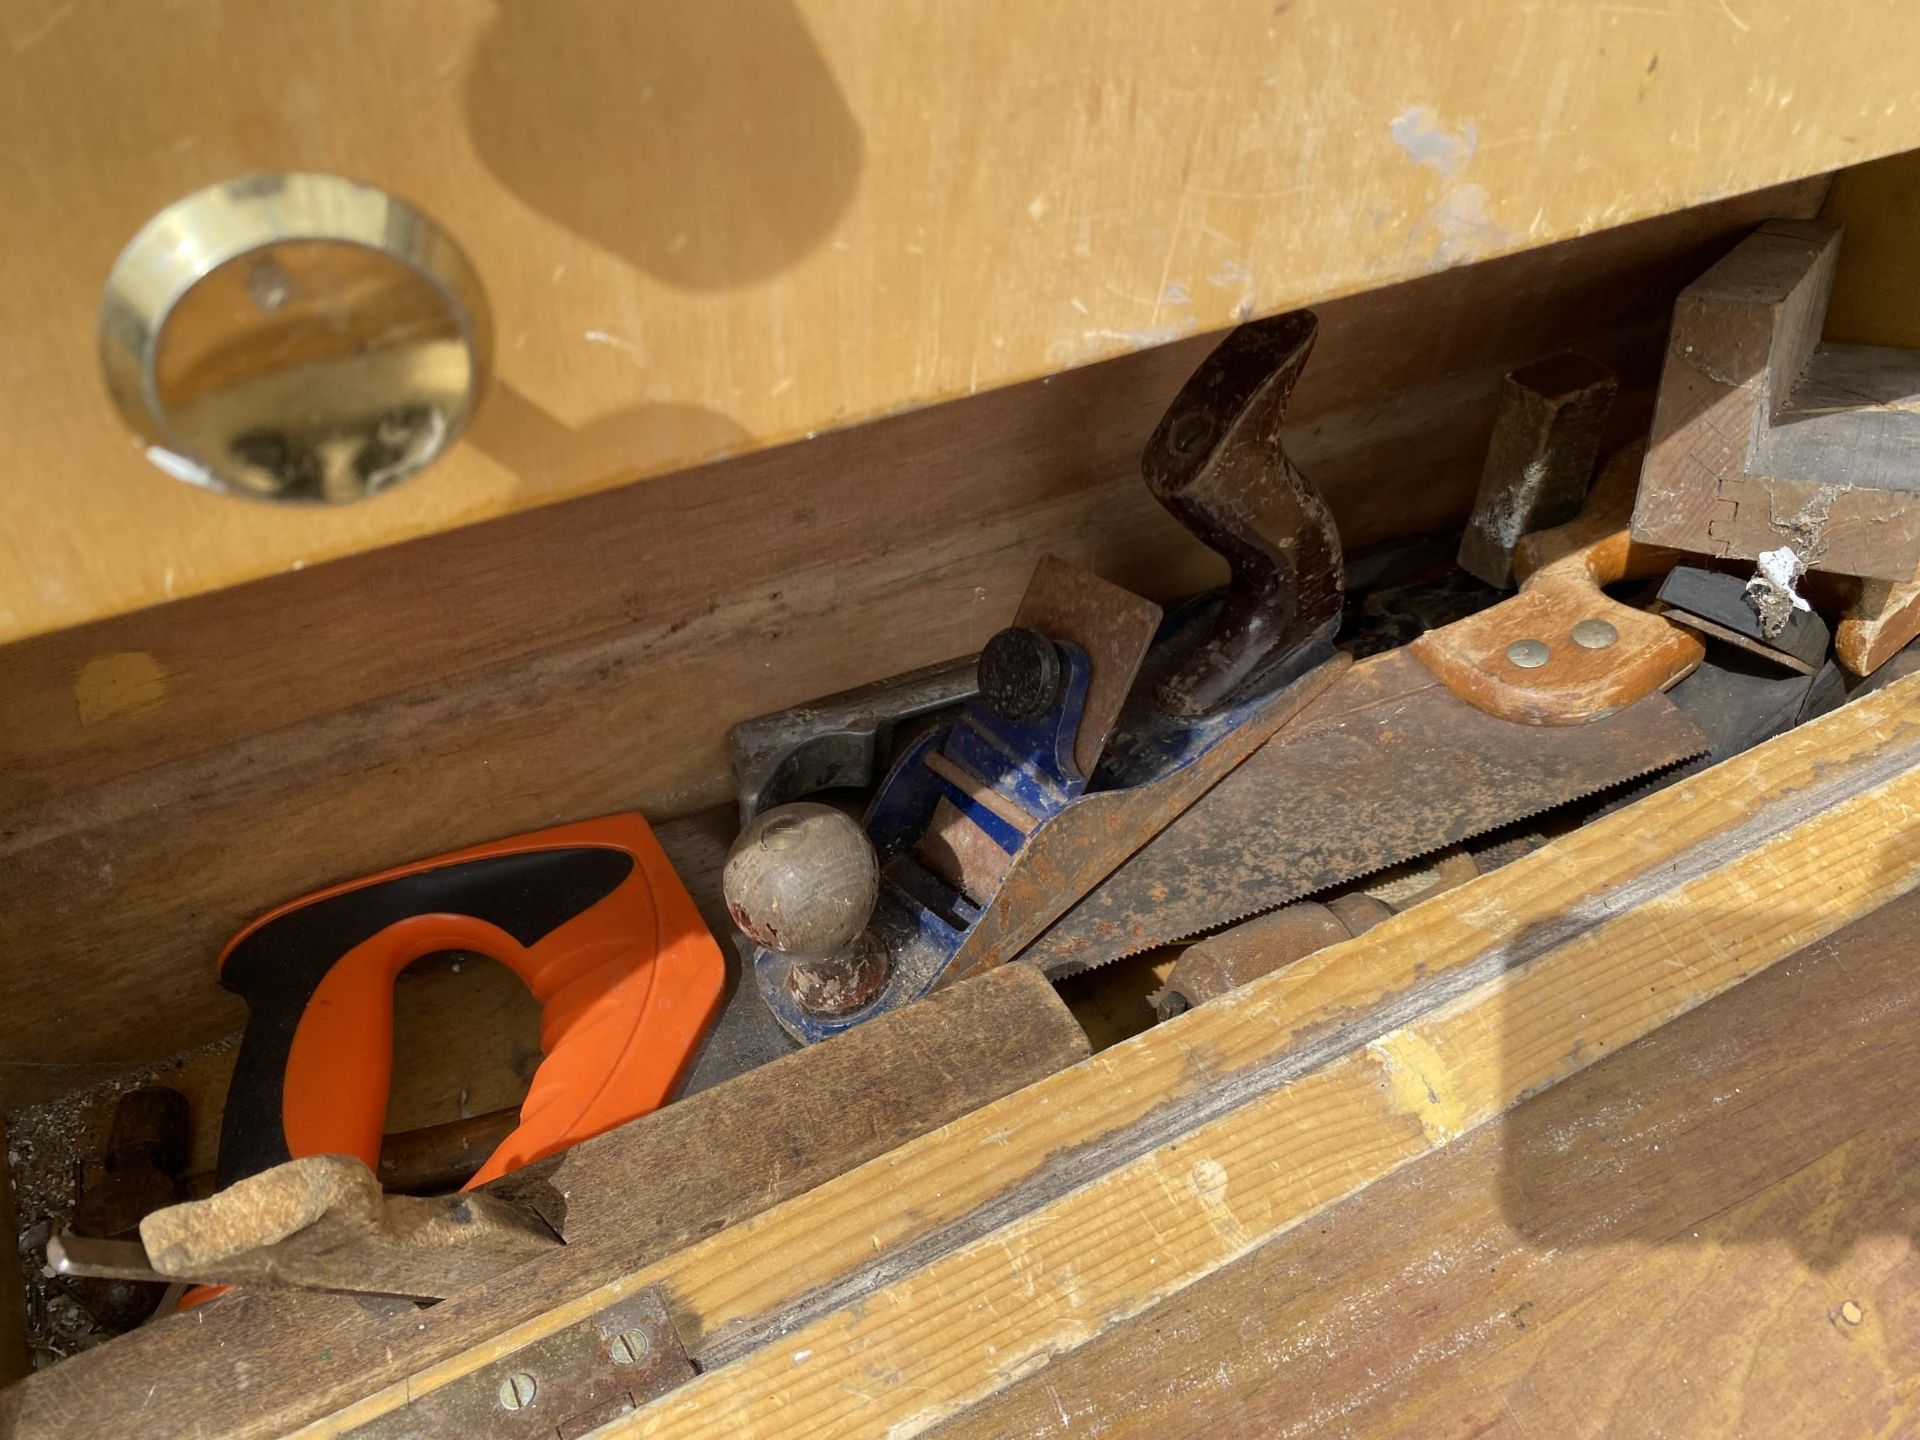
1539, 700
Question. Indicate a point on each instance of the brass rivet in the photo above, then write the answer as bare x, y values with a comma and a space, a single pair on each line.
1594, 634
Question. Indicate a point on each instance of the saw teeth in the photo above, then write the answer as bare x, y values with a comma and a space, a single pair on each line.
1080, 967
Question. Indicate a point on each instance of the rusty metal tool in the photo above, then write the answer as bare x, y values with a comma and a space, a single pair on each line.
840, 741
1539, 700
1098, 721
318, 1223
1241, 953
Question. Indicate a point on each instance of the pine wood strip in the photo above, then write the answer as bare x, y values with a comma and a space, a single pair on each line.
1665, 1242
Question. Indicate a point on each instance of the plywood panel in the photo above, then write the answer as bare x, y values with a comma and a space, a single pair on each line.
708, 228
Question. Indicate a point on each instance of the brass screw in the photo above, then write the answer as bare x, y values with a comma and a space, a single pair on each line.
631, 1347
516, 1391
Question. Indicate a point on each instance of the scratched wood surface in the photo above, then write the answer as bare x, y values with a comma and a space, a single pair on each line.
708, 228
1707, 1234
167, 776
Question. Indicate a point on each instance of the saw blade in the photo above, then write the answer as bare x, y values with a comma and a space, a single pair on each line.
1383, 767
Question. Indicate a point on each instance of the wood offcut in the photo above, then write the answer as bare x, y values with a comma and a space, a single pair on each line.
1765, 437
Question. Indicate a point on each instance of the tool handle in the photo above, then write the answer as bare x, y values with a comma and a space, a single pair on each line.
1562, 572
590, 916
1217, 463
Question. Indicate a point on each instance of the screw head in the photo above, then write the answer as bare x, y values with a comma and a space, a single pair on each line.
1529, 654
516, 1391
631, 1347
1594, 634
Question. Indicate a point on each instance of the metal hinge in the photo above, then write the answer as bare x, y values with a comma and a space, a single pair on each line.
554, 1388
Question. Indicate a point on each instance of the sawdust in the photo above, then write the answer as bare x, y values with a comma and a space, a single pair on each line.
53, 1151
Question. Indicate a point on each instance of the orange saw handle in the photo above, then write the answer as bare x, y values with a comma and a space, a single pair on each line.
591, 916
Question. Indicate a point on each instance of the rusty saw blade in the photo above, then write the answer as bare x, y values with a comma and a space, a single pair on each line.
1386, 765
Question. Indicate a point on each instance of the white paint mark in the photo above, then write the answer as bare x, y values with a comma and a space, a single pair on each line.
784, 384
1417, 130
1458, 225
618, 342
1175, 294
1465, 228
1037, 207
1229, 275
1738, 23
1144, 336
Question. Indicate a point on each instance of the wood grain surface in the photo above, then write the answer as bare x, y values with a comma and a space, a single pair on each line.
708, 228
1706, 1235
1765, 436
166, 777
1593, 942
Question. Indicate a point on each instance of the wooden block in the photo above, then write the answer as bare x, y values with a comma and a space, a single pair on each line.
621, 1201
1880, 617
1763, 437
1546, 440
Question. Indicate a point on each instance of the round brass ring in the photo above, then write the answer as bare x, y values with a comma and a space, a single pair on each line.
294, 337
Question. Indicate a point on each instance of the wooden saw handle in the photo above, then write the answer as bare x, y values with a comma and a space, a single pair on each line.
1561, 572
